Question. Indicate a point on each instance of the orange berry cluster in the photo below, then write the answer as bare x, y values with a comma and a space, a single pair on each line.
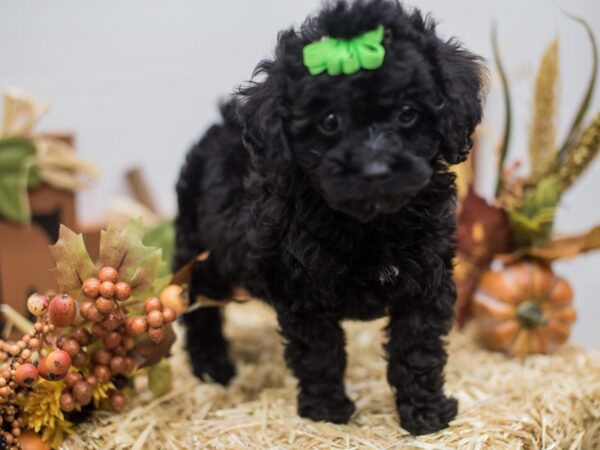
153, 322
57, 348
15, 373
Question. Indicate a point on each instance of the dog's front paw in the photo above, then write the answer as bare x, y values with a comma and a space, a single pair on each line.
336, 408
218, 368
423, 417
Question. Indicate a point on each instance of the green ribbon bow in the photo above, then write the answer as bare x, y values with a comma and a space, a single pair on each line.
338, 56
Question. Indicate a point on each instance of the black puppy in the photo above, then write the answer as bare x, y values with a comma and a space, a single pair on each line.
328, 195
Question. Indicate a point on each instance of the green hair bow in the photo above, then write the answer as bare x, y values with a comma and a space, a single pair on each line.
345, 56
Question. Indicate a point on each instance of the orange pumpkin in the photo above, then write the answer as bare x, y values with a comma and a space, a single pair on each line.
523, 309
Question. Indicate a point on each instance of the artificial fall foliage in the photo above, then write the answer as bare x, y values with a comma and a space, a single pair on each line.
542, 136
106, 326
518, 227
27, 160
16, 176
483, 232
524, 308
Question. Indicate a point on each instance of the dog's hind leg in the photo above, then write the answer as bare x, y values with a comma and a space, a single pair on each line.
205, 343
314, 350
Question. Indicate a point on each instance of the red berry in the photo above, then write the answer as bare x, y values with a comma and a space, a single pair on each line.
90, 312
82, 392
112, 339
122, 291
107, 289
67, 402
102, 373
111, 322
137, 325
130, 365
120, 350
26, 375
128, 342
71, 378
102, 356
108, 274
91, 288
92, 381
155, 319
153, 304
43, 369
62, 310
169, 315
156, 334
82, 336
118, 365
104, 305
71, 346
80, 359
85, 309
118, 401
37, 304
58, 362
98, 331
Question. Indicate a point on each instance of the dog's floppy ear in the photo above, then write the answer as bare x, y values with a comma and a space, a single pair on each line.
461, 77
263, 113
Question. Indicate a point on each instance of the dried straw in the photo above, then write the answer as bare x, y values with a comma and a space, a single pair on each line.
542, 402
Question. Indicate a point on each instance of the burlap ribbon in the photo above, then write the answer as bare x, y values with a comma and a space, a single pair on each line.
58, 164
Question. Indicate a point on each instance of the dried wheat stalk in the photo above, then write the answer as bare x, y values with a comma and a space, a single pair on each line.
542, 137
581, 155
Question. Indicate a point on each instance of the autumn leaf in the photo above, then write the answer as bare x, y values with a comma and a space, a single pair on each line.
162, 236
160, 378
482, 233
139, 265
16, 159
73, 263
532, 223
558, 248
148, 353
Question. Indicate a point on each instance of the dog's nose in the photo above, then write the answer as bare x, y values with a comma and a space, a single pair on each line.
375, 170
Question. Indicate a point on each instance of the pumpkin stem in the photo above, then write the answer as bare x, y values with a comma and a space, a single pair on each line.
530, 315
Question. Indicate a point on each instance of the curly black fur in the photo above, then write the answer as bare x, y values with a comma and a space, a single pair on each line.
326, 226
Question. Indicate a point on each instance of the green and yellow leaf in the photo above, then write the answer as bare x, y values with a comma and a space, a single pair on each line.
162, 236
139, 265
73, 263
16, 159
532, 223
559, 248
160, 378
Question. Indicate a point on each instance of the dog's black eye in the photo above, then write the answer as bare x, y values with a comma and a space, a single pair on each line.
387, 36
329, 124
407, 116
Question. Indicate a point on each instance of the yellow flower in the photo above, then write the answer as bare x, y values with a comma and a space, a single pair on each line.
100, 392
41, 411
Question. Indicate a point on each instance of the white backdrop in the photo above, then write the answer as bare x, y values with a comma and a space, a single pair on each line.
139, 81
